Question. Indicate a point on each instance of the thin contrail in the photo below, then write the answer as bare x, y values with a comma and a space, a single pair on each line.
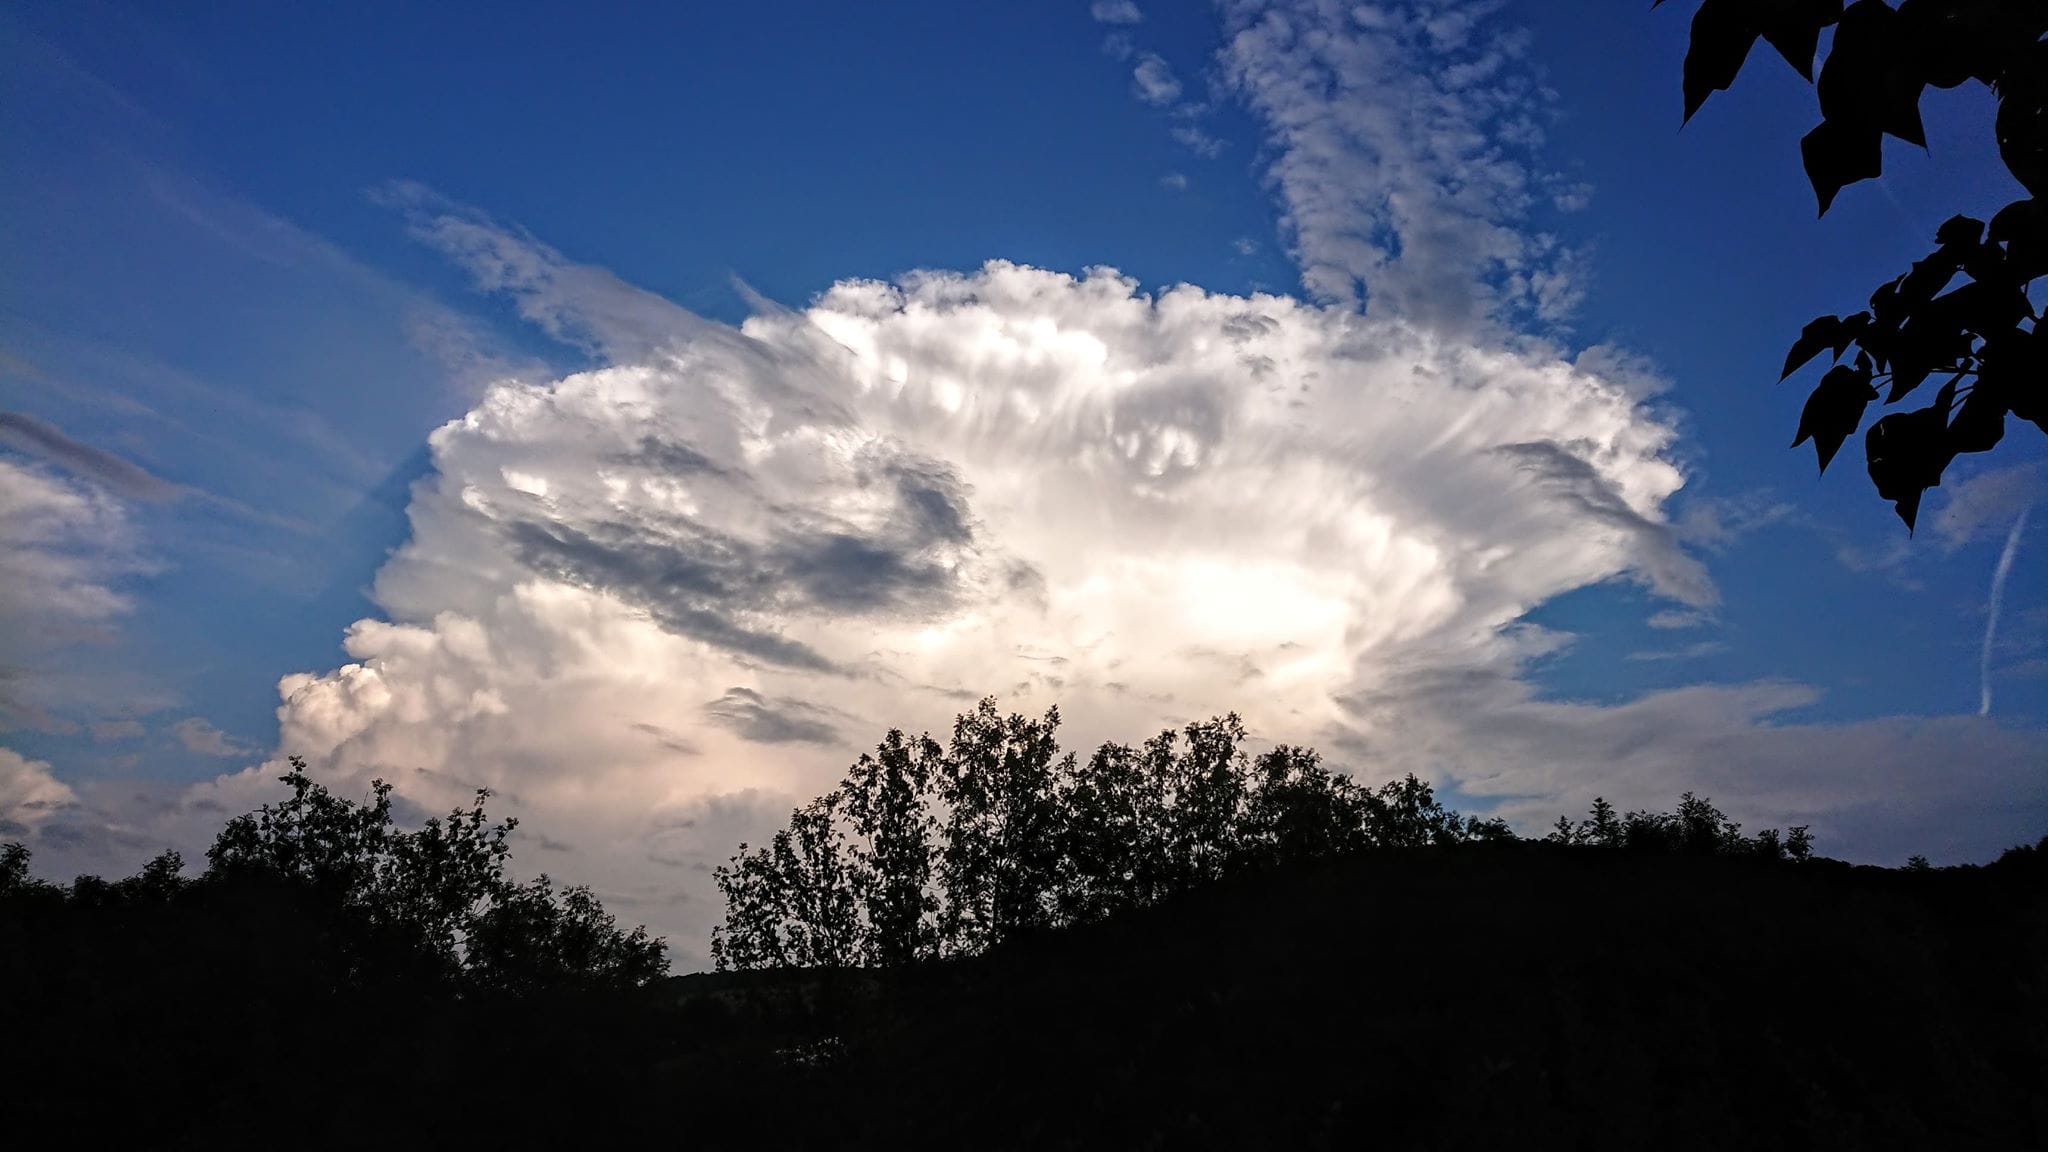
2012, 547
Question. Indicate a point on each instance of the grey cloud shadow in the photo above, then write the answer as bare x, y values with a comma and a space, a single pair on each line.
667, 739
119, 476
712, 585
1663, 561
773, 719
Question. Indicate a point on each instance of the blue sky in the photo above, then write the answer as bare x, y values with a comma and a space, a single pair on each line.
257, 254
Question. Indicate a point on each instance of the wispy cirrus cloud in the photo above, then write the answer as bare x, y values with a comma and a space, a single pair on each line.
1696, 651
1984, 505
120, 476
1407, 139
1115, 12
65, 548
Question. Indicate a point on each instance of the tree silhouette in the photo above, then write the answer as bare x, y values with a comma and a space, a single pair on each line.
999, 866
793, 903
926, 851
435, 903
1300, 810
1980, 337
888, 801
1114, 835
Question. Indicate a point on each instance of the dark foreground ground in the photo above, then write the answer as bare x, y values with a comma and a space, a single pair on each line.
1485, 996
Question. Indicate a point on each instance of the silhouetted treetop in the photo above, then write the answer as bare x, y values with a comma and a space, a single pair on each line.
432, 907
926, 851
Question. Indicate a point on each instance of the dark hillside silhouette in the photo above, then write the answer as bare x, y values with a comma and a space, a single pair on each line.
988, 943
323, 953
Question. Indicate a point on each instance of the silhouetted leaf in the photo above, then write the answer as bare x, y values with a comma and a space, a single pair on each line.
1980, 424
1928, 276
1793, 28
1906, 453
1838, 153
1945, 36
2022, 227
1959, 230
1933, 340
1722, 31
2015, 373
2022, 124
1833, 411
1869, 78
1985, 305
1819, 333
1881, 58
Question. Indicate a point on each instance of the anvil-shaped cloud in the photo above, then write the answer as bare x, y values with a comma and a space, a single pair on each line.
723, 564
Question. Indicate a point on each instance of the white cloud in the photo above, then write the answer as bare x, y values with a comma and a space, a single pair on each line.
578, 304
1406, 136
1198, 141
63, 545
1153, 80
200, 736
65, 549
1115, 12
1693, 651
1957, 788
1983, 506
1174, 181
29, 795
653, 602
1716, 524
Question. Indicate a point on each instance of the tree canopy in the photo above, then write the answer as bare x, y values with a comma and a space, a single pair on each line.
1978, 338
380, 905
929, 850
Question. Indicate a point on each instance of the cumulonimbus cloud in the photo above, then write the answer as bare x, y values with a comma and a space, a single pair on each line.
655, 603
698, 580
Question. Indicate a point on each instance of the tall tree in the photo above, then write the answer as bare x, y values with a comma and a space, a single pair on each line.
1300, 810
1210, 783
999, 868
887, 800
797, 900
1979, 339
1113, 835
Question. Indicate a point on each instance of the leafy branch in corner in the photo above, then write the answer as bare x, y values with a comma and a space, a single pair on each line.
1979, 337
